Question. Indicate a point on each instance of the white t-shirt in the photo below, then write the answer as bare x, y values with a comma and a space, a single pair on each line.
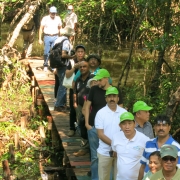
70, 20
51, 25
129, 153
108, 120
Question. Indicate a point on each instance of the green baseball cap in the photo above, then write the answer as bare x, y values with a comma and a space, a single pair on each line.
141, 106
111, 90
102, 73
169, 150
126, 116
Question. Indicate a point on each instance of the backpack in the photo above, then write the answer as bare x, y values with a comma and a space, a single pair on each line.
55, 56
29, 25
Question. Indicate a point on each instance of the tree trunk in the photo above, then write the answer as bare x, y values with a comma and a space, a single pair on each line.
167, 27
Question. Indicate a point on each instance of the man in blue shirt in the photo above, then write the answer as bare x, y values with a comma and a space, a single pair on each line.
162, 128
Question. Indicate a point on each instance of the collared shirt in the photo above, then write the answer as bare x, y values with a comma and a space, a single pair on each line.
70, 20
152, 146
108, 120
146, 129
129, 153
159, 176
51, 25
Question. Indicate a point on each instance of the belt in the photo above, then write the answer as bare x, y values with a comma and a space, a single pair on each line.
50, 34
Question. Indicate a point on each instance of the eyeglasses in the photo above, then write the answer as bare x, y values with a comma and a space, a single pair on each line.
167, 158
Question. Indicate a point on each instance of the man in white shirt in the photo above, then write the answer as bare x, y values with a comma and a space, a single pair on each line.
50, 26
70, 20
106, 123
129, 145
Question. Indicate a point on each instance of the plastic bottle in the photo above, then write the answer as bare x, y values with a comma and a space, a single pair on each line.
77, 128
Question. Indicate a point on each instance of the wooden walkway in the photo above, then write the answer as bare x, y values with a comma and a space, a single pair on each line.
45, 81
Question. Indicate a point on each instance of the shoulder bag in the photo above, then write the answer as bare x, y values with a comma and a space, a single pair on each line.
67, 82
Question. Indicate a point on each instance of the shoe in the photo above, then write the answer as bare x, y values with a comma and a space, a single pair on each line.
89, 173
45, 69
81, 152
60, 109
67, 108
71, 133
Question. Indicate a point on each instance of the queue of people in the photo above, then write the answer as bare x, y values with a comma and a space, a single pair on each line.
121, 144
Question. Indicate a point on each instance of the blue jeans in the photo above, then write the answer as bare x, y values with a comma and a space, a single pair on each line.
48, 44
94, 143
61, 94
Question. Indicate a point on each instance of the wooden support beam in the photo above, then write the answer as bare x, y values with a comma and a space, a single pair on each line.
6, 170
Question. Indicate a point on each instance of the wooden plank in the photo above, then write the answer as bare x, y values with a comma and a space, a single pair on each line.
45, 80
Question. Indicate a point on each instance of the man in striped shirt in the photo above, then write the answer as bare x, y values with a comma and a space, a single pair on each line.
162, 128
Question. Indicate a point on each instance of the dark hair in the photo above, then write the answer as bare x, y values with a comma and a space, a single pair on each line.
95, 56
80, 46
155, 153
162, 117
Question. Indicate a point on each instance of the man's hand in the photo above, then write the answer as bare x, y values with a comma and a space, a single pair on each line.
88, 127
75, 105
40, 41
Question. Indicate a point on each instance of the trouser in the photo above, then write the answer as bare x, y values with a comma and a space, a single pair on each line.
28, 37
105, 166
61, 94
48, 44
72, 115
56, 86
94, 143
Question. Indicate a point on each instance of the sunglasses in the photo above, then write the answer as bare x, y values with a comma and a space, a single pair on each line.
167, 158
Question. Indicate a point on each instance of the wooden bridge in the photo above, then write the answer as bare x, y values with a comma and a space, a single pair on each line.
76, 167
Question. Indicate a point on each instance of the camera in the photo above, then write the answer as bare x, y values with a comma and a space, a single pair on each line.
111, 153
72, 52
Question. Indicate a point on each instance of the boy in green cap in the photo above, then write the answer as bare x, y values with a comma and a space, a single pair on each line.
141, 113
129, 145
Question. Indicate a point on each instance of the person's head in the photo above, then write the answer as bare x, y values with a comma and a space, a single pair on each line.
92, 82
127, 124
102, 76
94, 61
169, 156
162, 126
155, 161
141, 111
112, 97
84, 68
70, 9
80, 52
67, 31
52, 12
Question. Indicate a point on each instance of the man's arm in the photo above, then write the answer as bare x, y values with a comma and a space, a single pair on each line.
74, 101
87, 107
141, 172
66, 56
40, 34
103, 137
71, 71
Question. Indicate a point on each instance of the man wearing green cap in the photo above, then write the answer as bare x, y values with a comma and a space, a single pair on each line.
141, 113
96, 100
106, 123
129, 145
169, 171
